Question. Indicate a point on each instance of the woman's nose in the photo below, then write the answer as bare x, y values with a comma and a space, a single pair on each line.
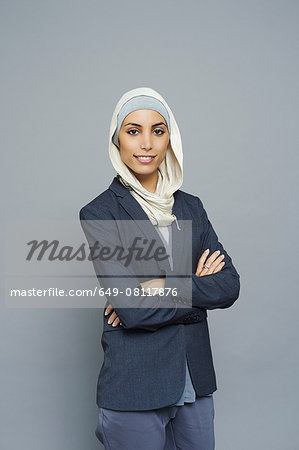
146, 142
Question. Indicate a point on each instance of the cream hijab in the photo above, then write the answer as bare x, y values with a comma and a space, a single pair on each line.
157, 205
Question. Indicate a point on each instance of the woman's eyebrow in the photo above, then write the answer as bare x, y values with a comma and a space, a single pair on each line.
137, 124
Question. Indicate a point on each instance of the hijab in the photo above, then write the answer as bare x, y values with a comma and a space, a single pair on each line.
157, 205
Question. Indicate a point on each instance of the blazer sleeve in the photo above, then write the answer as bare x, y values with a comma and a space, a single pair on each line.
135, 311
217, 290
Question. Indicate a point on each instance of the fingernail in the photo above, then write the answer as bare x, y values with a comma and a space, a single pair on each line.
105, 313
207, 250
218, 251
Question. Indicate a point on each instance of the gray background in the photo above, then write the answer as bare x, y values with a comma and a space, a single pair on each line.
229, 71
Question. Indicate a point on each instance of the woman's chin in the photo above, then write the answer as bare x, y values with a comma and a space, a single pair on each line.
144, 170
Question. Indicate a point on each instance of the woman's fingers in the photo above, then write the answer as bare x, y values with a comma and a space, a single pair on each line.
153, 283
201, 262
214, 264
219, 267
214, 261
108, 310
115, 322
113, 319
146, 285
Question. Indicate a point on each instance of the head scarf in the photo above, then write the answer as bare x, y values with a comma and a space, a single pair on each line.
157, 205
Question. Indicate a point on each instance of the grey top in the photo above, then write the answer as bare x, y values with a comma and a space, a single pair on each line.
188, 394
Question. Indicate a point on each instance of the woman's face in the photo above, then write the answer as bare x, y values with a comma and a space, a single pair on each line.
143, 133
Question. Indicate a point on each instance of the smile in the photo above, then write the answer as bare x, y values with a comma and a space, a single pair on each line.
145, 159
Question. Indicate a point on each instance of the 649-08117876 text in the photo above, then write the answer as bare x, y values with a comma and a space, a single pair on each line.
56, 292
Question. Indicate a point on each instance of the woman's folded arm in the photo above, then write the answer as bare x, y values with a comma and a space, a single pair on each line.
217, 290
137, 310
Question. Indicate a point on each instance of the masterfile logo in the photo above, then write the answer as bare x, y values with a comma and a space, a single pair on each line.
65, 264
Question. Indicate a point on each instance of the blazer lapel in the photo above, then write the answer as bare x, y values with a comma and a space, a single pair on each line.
181, 239
136, 212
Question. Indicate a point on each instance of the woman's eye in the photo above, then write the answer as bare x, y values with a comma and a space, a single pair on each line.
133, 132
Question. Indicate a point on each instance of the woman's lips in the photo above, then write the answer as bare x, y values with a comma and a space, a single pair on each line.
145, 159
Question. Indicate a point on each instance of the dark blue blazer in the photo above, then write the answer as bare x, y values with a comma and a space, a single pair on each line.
144, 358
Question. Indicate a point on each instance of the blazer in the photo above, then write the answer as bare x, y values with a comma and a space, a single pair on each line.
144, 358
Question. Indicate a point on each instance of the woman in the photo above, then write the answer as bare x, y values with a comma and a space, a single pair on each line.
155, 388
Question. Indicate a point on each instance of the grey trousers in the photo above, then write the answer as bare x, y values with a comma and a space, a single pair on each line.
187, 427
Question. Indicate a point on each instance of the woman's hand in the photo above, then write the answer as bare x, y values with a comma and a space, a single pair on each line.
147, 285
154, 283
214, 263
113, 319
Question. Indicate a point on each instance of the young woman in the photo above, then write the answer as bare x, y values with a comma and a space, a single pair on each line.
155, 387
